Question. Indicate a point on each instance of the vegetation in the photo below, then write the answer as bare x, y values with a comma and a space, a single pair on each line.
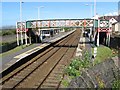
116, 85
67, 29
103, 53
18, 48
6, 43
76, 65
7, 32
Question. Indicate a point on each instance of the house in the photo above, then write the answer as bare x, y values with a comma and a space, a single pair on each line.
114, 22
112, 19
116, 27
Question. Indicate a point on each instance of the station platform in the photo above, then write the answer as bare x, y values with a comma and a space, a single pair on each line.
9, 60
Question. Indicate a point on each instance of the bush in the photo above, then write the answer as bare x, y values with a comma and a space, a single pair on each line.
77, 64
8, 32
66, 29
116, 85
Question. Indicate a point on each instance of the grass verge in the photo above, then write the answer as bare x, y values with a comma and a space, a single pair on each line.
18, 48
103, 53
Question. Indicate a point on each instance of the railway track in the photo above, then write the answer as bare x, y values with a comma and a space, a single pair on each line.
46, 69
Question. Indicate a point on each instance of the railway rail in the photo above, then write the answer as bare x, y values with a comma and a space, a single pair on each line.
46, 69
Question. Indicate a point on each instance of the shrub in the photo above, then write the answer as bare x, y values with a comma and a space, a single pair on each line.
116, 85
77, 64
8, 32
67, 29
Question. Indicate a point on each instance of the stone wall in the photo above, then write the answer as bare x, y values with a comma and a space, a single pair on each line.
100, 76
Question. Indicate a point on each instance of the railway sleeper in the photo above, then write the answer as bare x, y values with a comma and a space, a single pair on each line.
49, 85
51, 81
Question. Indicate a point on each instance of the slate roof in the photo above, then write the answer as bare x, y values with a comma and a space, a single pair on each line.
117, 18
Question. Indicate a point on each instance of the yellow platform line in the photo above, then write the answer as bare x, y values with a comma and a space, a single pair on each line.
31, 51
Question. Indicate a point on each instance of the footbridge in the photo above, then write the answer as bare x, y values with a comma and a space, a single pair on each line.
96, 26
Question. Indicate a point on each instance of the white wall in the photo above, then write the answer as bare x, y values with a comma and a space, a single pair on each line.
117, 27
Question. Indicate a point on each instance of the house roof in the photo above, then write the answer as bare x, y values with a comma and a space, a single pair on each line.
114, 23
117, 18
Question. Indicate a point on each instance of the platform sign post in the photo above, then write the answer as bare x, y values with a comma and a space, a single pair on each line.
98, 33
25, 35
17, 32
21, 27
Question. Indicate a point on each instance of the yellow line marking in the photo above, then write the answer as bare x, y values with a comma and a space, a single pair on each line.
31, 51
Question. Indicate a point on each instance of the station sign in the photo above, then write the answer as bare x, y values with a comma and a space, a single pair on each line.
31, 24
21, 26
104, 24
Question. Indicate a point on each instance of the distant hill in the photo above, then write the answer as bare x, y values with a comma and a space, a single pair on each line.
7, 27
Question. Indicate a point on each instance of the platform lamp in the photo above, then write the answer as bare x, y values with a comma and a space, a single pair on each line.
91, 5
40, 35
39, 11
91, 11
21, 22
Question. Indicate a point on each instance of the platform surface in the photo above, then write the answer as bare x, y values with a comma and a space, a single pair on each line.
12, 58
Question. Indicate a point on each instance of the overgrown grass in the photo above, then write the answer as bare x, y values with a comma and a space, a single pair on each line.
103, 53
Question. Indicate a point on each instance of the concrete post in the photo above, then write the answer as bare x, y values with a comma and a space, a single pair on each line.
108, 39
25, 35
98, 39
29, 38
17, 39
17, 35
63, 30
98, 33
41, 35
25, 38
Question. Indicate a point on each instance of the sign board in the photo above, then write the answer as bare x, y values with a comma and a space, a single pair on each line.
21, 26
31, 24
60, 23
104, 24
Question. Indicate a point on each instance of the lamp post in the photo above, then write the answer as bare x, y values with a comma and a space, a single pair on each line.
40, 32
91, 5
94, 20
39, 11
21, 21
91, 14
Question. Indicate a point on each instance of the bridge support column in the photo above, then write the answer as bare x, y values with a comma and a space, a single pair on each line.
41, 36
63, 30
17, 39
108, 39
25, 38
98, 39
90, 34
29, 38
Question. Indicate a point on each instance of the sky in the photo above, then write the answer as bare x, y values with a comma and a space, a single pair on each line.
53, 10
